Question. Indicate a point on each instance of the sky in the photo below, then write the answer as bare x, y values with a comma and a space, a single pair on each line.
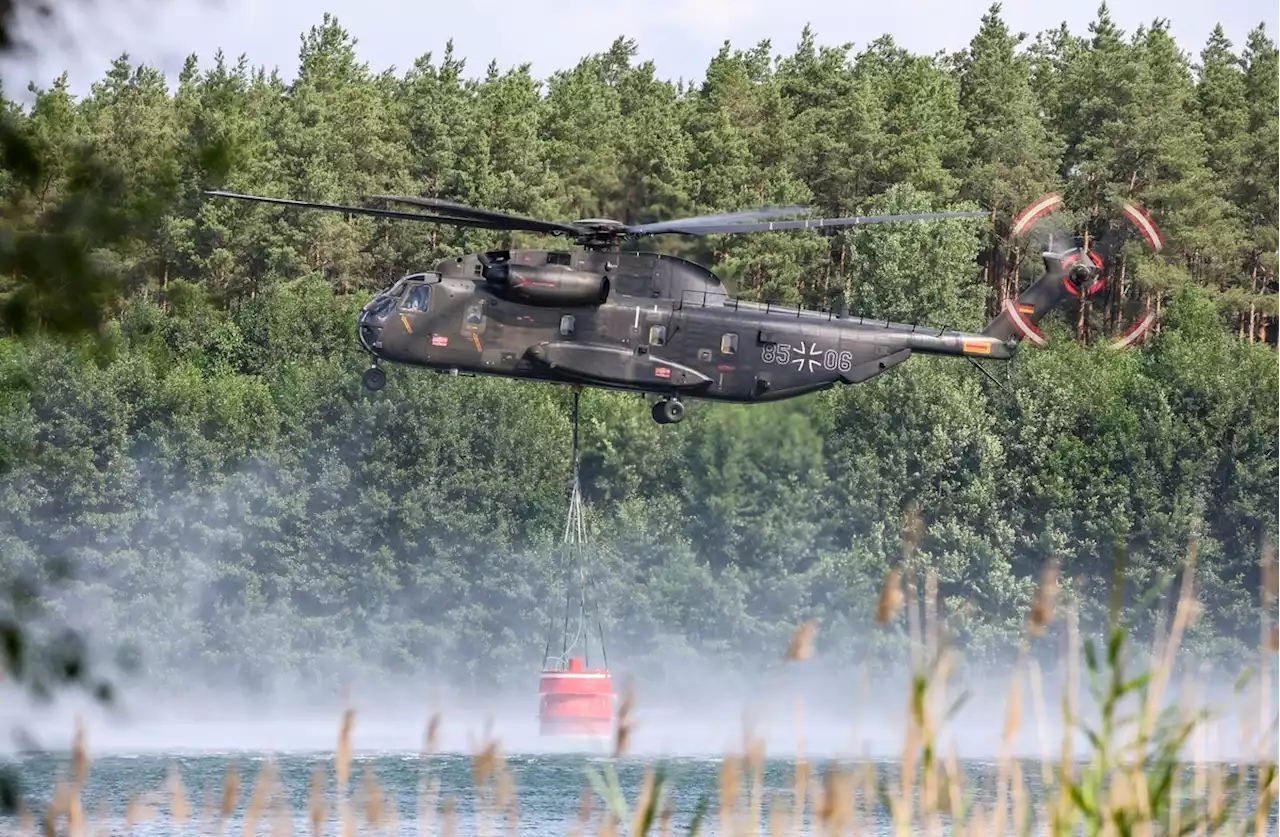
680, 36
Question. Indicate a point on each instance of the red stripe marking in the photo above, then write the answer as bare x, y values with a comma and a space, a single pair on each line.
1146, 225
1034, 211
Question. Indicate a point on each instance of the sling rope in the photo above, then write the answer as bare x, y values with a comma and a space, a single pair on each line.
573, 557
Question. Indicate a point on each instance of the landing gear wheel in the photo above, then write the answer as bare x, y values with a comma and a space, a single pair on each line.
373, 379
669, 411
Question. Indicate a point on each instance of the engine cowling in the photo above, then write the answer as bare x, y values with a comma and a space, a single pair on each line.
553, 285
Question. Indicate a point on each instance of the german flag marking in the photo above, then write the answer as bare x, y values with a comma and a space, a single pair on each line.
976, 348
1023, 327
1027, 309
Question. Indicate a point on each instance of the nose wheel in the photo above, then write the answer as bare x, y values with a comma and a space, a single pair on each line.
668, 411
373, 379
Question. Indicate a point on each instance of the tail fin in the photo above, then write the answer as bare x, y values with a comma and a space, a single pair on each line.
1066, 274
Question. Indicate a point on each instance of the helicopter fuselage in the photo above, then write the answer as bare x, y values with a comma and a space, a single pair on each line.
632, 321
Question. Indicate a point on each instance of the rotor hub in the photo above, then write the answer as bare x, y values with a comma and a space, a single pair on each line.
600, 224
599, 233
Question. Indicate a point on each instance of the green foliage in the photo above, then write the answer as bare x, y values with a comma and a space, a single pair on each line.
237, 504
229, 465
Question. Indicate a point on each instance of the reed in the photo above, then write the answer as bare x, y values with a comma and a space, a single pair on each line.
1130, 779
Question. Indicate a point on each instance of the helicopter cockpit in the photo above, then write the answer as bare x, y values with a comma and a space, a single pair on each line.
409, 293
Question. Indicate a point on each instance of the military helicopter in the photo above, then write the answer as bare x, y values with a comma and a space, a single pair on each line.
651, 323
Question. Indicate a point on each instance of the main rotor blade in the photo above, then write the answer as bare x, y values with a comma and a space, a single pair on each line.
745, 215
500, 220
360, 210
813, 223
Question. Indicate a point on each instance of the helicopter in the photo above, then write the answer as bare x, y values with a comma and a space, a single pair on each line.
656, 324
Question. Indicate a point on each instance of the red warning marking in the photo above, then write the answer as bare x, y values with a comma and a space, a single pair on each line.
439, 340
1145, 225
1136, 332
975, 348
662, 372
1034, 211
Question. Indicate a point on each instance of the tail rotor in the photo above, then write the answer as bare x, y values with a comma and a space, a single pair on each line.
1092, 248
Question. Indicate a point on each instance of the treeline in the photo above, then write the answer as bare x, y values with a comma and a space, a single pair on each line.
235, 503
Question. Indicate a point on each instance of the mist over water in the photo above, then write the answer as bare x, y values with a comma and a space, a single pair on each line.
796, 710
686, 715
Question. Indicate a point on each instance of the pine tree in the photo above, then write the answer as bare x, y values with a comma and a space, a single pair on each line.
1258, 193
1011, 161
1223, 119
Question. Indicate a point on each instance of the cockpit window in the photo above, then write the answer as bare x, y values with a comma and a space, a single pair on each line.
416, 299
397, 288
381, 306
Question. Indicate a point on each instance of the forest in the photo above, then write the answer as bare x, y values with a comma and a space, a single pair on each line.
182, 424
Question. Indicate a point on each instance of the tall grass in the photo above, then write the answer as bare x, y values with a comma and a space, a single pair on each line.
1134, 777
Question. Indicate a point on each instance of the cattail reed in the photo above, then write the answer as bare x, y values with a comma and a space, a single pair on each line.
622, 730
1118, 781
1045, 599
431, 740
801, 645
317, 809
179, 808
891, 597
230, 793
374, 804
259, 797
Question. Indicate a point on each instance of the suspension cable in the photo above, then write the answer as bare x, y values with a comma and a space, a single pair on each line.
574, 548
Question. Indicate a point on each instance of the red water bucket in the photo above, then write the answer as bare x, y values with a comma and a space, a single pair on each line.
576, 701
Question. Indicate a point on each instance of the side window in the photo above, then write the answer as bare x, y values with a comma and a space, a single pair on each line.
657, 335
473, 319
566, 325
416, 299
729, 344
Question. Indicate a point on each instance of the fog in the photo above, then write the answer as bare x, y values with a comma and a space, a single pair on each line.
800, 710
692, 703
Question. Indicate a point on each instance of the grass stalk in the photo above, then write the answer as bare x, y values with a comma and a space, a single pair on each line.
1128, 781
